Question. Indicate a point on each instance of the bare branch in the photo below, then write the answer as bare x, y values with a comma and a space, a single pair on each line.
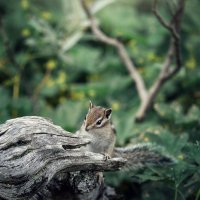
154, 89
163, 22
147, 96
166, 72
140, 86
174, 48
160, 19
179, 13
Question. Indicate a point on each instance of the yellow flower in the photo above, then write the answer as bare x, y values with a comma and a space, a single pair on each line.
24, 4
151, 56
146, 139
51, 64
46, 15
181, 157
25, 32
61, 77
115, 106
77, 95
94, 77
92, 93
191, 63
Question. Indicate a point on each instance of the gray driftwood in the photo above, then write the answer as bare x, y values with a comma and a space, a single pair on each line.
39, 160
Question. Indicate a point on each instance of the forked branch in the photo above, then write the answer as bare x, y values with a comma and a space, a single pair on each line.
167, 71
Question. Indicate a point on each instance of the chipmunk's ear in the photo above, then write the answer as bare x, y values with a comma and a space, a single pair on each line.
91, 105
108, 113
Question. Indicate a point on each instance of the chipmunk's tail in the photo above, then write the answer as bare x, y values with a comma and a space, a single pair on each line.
143, 155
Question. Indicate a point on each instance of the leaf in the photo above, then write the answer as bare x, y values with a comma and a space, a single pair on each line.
173, 143
70, 41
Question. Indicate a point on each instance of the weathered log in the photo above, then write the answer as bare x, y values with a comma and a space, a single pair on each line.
39, 160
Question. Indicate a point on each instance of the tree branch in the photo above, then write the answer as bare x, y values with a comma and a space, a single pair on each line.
167, 72
140, 86
163, 22
174, 47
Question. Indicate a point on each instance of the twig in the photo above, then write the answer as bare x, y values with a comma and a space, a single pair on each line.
174, 48
163, 22
140, 86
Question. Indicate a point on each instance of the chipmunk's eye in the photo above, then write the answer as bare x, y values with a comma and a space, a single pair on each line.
98, 122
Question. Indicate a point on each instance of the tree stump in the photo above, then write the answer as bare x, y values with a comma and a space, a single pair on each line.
39, 160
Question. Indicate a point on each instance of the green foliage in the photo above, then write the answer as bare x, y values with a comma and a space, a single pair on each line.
178, 132
59, 65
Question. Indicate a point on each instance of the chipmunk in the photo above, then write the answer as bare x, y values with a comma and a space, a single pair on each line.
98, 127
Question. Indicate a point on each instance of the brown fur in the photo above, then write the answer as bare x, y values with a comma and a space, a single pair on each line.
94, 114
103, 136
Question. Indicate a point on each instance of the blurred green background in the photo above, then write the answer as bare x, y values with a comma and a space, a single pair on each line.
52, 65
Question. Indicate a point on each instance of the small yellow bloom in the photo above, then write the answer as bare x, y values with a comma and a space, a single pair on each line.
92, 93
51, 64
61, 78
94, 77
115, 106
181, 157
24, 4
77, 95
191, 63
25, 32
46, 15
151, 56
146, 139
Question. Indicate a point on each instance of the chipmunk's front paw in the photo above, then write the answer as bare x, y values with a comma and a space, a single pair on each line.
106, 156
